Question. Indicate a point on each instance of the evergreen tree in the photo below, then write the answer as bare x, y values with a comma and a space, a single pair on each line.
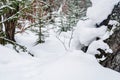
76, 10
73, 10
8, 19
10, 11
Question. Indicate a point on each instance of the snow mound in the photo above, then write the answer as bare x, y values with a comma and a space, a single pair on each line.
27, 38
49, 51
78, 66
86, 32
92, 49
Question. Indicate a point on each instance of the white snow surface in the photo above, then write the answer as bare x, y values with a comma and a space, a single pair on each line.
75, 65
52, 61
50, 51
78, 66
100, 9
92, 49
86, 32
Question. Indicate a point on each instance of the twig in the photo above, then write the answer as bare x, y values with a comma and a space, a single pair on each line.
62, 43
70, 39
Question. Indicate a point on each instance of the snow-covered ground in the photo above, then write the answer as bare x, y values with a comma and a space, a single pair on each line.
74, 65
77, 65
52, 61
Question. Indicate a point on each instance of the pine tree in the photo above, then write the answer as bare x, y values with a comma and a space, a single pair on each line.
76, 10
10, 11
11, 23
8, 19
73, 10
42, 18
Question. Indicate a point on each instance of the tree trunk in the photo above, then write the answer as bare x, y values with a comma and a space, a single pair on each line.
10, 29
113, 60
10, 25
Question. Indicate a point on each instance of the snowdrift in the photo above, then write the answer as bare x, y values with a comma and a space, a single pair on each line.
77, 65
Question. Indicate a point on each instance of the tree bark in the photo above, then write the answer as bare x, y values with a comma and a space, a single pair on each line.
10, 29
113, 60
11, 24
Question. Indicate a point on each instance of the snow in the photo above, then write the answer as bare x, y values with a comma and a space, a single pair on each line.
27, 38
78, 66
50, 51
51, 61
100, 9
113, 22
74, 65
15, 66
92, 49
9, 56
86, 32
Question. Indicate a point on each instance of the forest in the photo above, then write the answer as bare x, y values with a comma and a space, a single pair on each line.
59, 39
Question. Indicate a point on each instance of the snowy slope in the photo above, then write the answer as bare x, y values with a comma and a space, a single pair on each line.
14, 66
78, 66
49, 51
75, 65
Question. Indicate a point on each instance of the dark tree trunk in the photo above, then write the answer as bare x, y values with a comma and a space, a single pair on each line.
113, 60
10, 25
10, 29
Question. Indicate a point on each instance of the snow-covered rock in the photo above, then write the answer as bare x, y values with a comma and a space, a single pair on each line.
86, 32
92, 49
100, 9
